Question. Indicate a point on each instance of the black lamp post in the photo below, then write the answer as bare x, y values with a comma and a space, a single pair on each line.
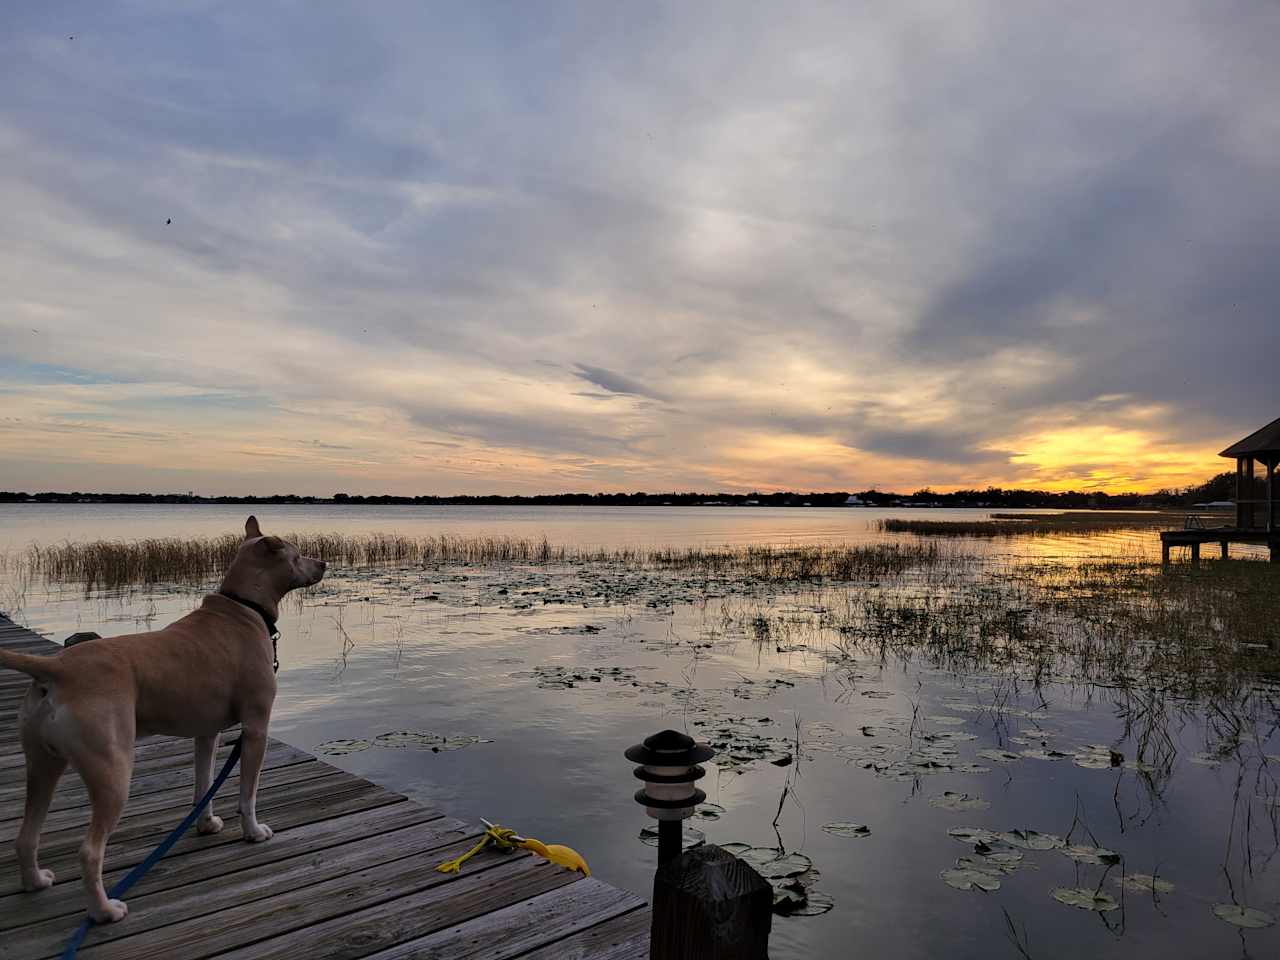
669, 768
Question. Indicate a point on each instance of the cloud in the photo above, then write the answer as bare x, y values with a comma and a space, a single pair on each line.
859, 245
615, 382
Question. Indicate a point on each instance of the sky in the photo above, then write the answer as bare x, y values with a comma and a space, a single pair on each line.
541, 247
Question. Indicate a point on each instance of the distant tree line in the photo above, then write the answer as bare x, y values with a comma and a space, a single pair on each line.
1221, 487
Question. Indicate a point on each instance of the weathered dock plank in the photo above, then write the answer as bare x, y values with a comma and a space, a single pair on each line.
349, 875
193, 901
67, 900
514, 930
625, 937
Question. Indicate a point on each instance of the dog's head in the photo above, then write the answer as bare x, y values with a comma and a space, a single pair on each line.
270, 565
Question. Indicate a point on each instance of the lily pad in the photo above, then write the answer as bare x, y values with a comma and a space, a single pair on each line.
1144, 883
814, 904
999, 756
777, 867
1041, 753
973, 835
1085, 899
950, 800
1032, 840
1097, 756
788, 896
847, 828
965, 878
689, 837
795, 896
997, 861
338, 748
1092, 761
1243, 916
435, 742
1083, 854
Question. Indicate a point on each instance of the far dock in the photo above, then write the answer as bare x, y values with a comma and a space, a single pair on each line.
1257, 519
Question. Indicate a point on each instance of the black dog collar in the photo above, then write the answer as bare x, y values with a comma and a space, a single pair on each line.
269, 620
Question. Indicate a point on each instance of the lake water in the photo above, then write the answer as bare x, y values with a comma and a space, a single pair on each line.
539, 678
21, 524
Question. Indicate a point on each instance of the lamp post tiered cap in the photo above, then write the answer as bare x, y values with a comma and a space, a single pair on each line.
668, 765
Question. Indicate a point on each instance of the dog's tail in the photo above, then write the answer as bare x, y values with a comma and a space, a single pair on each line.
41, 668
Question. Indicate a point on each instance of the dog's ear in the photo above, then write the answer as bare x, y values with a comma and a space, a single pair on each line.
251, 528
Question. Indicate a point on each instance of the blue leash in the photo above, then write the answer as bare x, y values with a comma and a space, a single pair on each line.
137, 873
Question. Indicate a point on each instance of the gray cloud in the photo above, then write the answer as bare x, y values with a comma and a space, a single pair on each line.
936, 445
615, 382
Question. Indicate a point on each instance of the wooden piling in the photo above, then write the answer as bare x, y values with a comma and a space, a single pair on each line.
709, 905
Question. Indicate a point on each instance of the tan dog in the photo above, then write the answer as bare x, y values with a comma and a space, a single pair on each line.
194, 678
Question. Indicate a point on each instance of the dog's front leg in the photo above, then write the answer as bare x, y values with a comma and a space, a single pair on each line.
253, 747
206, 747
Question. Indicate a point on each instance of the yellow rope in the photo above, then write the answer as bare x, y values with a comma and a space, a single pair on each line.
506, 840
500, 837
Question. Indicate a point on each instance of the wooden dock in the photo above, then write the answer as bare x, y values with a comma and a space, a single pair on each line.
350, 872
1193, 537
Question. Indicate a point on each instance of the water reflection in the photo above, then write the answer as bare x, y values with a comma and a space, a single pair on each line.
978, 714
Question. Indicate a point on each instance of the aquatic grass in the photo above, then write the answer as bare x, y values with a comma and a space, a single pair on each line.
1121, 624
838, 562
114, 564
111, 564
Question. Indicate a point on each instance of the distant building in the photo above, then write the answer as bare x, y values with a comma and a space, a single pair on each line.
855, 501
1257, 503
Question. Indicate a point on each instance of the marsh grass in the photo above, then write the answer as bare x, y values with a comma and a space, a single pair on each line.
837, 562
1121, 621
1116, 623
1035, 524
116, 564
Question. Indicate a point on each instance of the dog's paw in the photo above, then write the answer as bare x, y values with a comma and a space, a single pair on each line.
258, 833
116, 911
209, 825
38, 881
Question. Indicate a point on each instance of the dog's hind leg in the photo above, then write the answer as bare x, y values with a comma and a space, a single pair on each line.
206, 747
43, 771
253, 747
106, 775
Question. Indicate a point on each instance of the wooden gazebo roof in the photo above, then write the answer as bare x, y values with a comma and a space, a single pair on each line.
1264, 441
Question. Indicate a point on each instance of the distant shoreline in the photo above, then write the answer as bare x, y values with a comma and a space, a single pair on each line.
991, 499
